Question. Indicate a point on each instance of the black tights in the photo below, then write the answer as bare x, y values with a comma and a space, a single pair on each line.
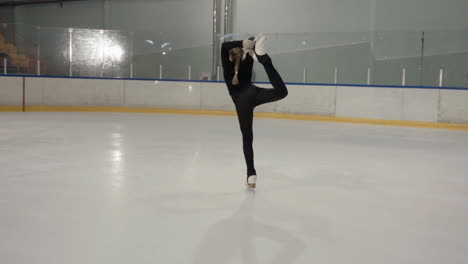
251, 96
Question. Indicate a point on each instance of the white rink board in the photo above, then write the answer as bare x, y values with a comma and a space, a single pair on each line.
369, 102
306, 99
408, 104
74, 92
420, 105
159, 94
453, 106
11, 91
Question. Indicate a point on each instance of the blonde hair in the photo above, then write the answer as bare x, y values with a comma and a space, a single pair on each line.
236, 55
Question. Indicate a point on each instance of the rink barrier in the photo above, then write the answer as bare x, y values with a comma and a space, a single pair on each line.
398, 106
352, 120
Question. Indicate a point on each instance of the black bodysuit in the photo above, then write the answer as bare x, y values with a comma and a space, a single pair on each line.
246, 96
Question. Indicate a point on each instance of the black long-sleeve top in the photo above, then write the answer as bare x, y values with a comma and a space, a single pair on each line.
245, 68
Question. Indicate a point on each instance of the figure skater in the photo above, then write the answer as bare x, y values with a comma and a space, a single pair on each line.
237, 59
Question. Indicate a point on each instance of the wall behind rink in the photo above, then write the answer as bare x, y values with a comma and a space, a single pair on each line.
426, 104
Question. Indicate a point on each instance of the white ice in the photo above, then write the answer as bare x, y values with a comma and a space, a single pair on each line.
152, 188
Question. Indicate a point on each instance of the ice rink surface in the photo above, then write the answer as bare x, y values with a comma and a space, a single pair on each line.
121, 188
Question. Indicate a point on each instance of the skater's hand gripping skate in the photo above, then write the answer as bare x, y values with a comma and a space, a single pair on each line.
248, 44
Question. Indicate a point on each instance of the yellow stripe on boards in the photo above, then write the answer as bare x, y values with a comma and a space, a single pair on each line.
352, 120
11, 109
126, 110
355, 120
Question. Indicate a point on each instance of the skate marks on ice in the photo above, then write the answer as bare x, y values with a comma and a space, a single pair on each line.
245, 223
234, 237
314, 176
270, 207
